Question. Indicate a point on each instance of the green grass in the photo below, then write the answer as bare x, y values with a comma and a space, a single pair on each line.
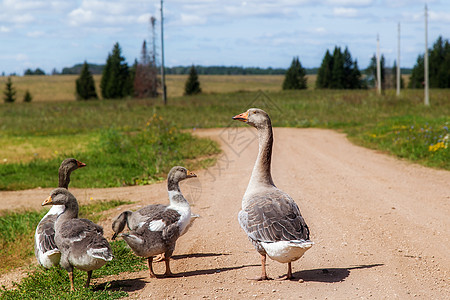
117, 158
17, 231
123, 150
54, 283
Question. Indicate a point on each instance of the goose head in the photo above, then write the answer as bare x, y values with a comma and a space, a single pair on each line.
71, 164
178, 174
60, 196
255, 117
118, 224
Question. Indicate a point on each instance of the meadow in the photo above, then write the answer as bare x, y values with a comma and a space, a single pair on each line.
137, 141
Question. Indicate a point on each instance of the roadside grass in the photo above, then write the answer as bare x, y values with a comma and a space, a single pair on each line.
54, 283
121, 151
117, 158
17, 231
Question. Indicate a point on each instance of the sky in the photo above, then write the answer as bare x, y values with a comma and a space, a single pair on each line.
52, 34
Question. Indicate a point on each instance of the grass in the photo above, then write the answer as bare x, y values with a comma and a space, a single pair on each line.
17, 231
138, 156
54, 283
113, 137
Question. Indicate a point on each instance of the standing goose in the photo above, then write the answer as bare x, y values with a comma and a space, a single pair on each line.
45, 250
165, 224
269, 216
80, 241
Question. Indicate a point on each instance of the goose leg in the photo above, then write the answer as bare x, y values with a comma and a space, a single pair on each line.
159, 258
150, 267
88, 281
263, 270
71, 281
168, 271
289, 275
289, 272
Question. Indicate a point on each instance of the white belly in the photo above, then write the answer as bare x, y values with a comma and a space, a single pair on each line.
286, 251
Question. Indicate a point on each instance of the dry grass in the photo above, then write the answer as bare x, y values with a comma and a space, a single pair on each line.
62, 87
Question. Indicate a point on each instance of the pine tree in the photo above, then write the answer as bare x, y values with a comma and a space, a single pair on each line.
85, 85
371, 72
337, 73
324, 72
295, 78
27, 97
10, 92
115, 82
192, 84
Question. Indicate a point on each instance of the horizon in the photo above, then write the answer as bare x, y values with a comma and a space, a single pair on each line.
248, 34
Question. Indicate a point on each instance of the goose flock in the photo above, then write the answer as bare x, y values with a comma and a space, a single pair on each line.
270, 218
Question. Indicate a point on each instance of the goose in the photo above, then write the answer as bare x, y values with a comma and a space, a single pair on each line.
269, 216
164, 224
45, 250
80, 241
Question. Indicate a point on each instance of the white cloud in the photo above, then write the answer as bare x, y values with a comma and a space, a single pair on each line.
439, 17
4, 29
345, 12
351, 3
189, 19
35, 34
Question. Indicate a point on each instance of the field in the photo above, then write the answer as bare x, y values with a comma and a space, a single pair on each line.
135, 142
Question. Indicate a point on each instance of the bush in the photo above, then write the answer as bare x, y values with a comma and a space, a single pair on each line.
27, 97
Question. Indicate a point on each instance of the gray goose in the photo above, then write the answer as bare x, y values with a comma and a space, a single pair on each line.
45, 250
269, 216
164, 224
80, 241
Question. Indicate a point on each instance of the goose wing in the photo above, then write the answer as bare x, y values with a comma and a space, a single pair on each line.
46, 234
76, 229
166, 222
273, 217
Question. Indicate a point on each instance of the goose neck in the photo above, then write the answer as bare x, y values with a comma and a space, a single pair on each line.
261, 174
70, 212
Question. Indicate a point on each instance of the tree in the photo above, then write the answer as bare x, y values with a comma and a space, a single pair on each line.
9, 95
439, 67
417, 78
295, 78
115, 82
324, 72
27, 97
85, 85
192, 84
338, 71
145, 80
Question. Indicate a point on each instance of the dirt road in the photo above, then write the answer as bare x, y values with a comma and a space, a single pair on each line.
381, 226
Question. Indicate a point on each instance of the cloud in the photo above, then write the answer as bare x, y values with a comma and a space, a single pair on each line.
345, 12
4, 29
35, 34
190, 20
351, 3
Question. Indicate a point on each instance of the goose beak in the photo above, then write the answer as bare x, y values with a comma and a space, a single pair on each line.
241, 117
190, 174
80, 164
47, 201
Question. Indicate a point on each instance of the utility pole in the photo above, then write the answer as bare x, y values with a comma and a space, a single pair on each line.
398, 62
163, 76
378, 65
427, 92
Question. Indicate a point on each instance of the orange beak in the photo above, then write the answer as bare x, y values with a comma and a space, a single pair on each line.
47, 201
80, 164
241, 117
190, 174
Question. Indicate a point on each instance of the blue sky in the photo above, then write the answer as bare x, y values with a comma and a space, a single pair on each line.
253, 33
